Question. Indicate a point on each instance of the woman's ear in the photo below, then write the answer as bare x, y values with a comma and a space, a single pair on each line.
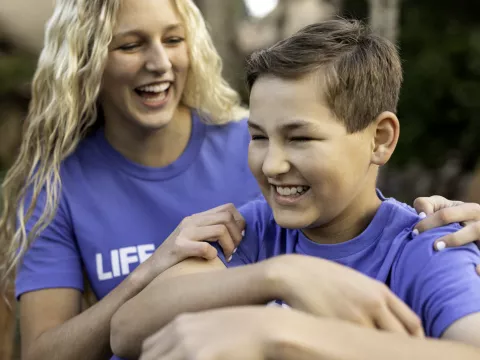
387, 131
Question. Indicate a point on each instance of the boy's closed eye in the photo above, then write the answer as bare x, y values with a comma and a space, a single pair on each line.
301, 138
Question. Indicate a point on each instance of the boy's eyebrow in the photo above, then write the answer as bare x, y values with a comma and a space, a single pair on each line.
292, 125
254, 126
296, 124
138, 32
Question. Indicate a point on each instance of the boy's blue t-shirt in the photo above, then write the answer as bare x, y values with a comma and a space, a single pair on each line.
441, 287
114, 213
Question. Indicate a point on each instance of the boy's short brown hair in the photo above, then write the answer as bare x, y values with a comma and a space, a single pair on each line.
363, 70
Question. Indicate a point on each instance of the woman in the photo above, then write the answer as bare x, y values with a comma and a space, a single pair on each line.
100, 193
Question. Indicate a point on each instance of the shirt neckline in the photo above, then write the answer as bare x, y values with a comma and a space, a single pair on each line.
132, 168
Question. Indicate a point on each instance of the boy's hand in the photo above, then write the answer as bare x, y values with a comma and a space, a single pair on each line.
223, 224
232, 333
327, 289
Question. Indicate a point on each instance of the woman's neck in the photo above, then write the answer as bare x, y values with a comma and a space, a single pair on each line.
154, 148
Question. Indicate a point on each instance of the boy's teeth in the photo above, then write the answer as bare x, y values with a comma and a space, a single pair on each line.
291, 190
155, 88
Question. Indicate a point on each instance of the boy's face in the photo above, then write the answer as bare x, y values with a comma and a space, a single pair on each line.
310, 169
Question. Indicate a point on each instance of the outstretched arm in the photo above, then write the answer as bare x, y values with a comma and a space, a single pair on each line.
275, 333
298, 280
193, 285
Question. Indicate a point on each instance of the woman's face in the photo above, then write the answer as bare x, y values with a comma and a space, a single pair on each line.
147, 65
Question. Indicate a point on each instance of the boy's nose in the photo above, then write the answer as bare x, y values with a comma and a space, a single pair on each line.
275, 163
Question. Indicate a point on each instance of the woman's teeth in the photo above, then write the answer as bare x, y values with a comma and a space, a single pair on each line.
154, 88
153, 93
291, 190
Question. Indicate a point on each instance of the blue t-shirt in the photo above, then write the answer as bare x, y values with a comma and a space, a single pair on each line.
441, 287
114, 213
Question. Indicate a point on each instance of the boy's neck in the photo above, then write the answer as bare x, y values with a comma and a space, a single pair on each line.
350, 223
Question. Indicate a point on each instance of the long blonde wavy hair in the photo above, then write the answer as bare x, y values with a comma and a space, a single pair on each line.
65, 89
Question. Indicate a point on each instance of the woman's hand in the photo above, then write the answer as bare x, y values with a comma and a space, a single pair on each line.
440, 211
232, 333
327, 289
191, 238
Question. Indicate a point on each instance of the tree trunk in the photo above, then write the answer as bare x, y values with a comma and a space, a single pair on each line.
222, 18
384, 18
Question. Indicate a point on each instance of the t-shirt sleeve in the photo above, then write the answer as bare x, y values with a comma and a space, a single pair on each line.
53, 259
257, 215
441, 287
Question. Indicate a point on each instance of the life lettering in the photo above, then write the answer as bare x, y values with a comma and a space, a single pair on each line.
121, 259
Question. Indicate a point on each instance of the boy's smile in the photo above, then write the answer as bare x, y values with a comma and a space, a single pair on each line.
314, 173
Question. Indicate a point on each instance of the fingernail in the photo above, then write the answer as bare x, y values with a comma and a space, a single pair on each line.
243, 233
422, 215
440, 246
234, 251
230, 258
415, 232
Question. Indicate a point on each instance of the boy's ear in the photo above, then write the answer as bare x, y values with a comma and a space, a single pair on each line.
387, 131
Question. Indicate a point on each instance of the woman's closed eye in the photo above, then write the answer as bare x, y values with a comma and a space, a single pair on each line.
129, 47
173, 40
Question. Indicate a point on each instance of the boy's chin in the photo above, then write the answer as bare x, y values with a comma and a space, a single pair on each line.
292, 219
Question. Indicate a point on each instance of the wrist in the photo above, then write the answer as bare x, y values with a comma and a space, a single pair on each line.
296, 335
277, 279
144, 274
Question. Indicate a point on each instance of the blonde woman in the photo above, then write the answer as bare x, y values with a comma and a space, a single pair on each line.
131, 129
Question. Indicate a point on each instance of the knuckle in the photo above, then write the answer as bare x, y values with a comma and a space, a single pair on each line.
229, 206
476, 208
181, 321
203, 249
452, 240
445, 215
419, 201
223, 230
476, 227
186, 222
415, 324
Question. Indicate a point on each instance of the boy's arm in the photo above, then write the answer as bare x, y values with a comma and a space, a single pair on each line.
299, 280
276, 333
465, 330
185, 287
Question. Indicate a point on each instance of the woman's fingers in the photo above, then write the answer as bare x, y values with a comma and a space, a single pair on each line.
468, 234
464, 213
224, 214
432, 204
211, 233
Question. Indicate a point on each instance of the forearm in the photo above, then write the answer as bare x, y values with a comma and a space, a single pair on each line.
305, 337
168, 296
87, 335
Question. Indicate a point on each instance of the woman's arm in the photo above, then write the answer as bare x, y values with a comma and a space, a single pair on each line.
258, 333
52, 326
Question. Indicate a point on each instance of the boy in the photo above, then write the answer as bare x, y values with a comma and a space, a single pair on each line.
322, 122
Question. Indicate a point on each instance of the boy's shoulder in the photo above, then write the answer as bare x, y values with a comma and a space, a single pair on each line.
440, 286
